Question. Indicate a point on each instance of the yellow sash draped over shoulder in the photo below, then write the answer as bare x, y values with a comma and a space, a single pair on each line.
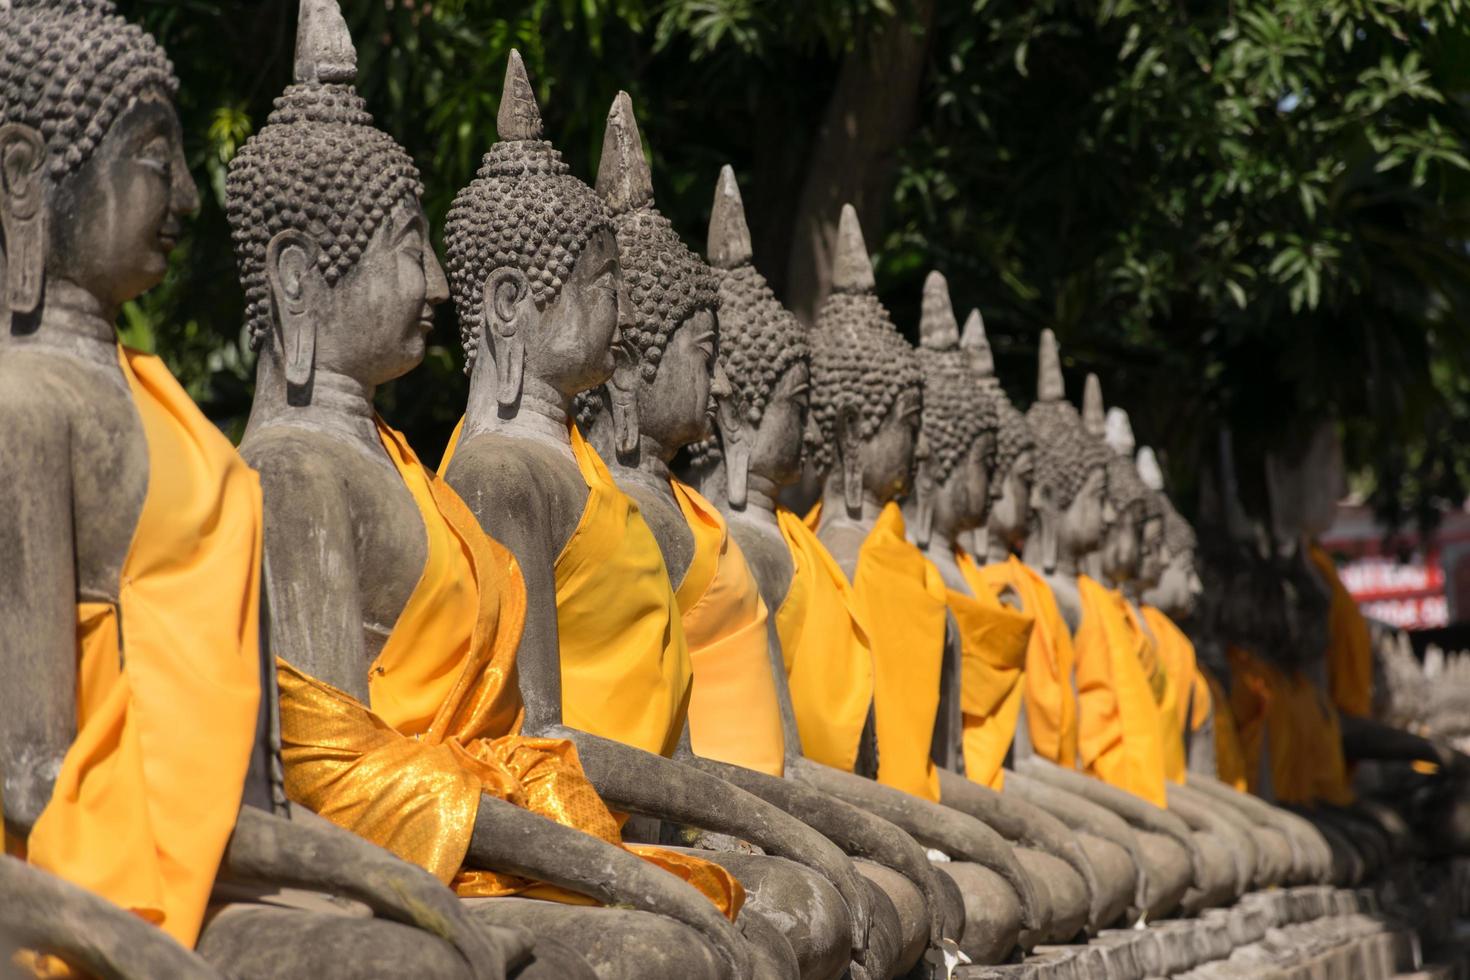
442, 726
1229, 758
1051, 704
734, 710
902, 600
828, 658
1349, 644
1174, 656
625, 668
1119, 731
994, 643
168, 679
1288, 713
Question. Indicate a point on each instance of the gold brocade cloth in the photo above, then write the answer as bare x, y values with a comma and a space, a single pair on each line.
443, 728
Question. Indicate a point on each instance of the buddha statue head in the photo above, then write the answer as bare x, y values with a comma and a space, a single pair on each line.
958, 428
1012, 475
660, 390
93, 181
533, 265
1178, 587
764, 356
331, 242
866, 384
1127, 507
1070, 470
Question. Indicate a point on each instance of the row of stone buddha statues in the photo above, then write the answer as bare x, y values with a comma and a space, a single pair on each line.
589, 701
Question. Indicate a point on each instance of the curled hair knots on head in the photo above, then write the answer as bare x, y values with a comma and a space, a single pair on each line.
858, 357
524, 210
760, 340
1013, 432
956, 412
1126, 490
1179, 535
1065, 453
68, 68
666, 281
320, 167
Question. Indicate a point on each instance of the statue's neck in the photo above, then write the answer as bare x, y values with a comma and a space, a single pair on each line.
996, 549
541, 412
760, 497
1067, 564
836, 511
333, 403
71, 321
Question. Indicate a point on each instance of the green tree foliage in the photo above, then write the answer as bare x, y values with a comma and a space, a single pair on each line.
1244, 213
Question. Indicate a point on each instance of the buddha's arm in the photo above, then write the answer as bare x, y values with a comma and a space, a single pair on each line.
41, 912
1201, 746
311, 569
38, 614
315, 854
1138, 813
502, 493
957, 834
1083, 816
857, 832
508, 838
1018, 822
640, 782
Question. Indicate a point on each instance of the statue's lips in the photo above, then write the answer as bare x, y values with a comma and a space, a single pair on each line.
167, 241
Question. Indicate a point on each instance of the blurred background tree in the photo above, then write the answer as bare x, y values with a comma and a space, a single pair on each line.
1246, 214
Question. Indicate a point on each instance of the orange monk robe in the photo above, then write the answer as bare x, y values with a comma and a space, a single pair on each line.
1051, 704
1300, 725
442, 727
1349, 644
1185, 705
901, 598
1229, 757
625, 668
827, 655
734, 710
994, 643
1119, 727
148, 792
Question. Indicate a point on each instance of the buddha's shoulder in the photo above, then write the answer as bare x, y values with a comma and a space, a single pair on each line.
43, 394
514, 469
298, 459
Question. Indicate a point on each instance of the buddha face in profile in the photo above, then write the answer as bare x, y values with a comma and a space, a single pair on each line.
887, 458
1179, 587
1011, 503
1081, 524
93, 182
1123, 527
773, 444
1151, 550
674, 407
333, 246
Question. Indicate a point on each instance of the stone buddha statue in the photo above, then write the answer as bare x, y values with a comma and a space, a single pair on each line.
535, 276
398, 619
867, 422
136, 748
656, 403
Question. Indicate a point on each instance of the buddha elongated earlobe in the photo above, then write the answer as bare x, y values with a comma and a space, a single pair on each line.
505, 291
23, 215
622, 397
925, 487
737, 472
850, 443
1049, 543
290, 259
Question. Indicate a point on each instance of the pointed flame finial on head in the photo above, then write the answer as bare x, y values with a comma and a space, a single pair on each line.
977, 345
938, 328
324, 51
1149, 470
729, 235
1093, 419
852, 270
1050, 386
1119, 432
623, 177
519, 117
